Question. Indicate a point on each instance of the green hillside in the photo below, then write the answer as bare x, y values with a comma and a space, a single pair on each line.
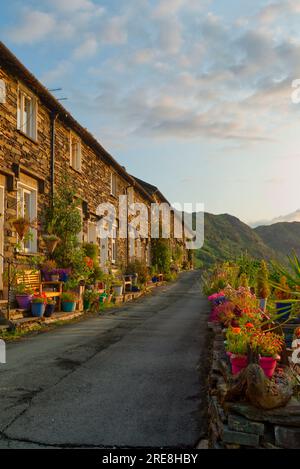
226, 237
283, 238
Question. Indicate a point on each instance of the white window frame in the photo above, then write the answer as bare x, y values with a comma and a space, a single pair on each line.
92, 232
22, 122
75, 162
113, 184
32, 191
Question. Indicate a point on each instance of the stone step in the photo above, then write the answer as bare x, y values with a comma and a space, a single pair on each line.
61, 317
15, 314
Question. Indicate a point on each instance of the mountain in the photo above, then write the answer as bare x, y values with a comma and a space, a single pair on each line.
226, 237
290, 218
283, 238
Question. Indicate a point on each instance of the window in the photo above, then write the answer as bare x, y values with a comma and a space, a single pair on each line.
114, 246
75, 153
113, 184
92, 233
26, 114
27, 207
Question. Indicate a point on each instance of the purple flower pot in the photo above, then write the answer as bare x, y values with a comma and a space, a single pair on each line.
24, 301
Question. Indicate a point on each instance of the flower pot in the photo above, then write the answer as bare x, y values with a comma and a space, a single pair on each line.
284, 309
68, 306
64, 276
268, 365
103, 297
37, 309
118, 289
51, 244
238, 363
49, 310
54, 277
24, 301
21, 228
154, 279
86, 305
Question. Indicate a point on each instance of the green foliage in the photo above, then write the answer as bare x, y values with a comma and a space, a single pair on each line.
91, 250
226, 238
140, 268
63, 220
243, 281
161, 255
262, 281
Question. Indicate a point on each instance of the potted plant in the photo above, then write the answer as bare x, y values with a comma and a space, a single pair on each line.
23, 296
50, 307
268, 345
51, 241
38, 302
282, 295
21, 225
237, 341
89, 297
68, 301
117, 287
262, 285
48, 269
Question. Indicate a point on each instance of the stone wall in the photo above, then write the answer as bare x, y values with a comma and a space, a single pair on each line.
239, 425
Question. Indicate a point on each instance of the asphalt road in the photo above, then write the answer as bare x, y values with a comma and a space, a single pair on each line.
132, 378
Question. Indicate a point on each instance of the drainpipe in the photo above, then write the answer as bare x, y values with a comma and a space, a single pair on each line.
52, 155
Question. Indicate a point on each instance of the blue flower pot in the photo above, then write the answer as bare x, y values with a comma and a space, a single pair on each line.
37, 309
68, 306
285, 310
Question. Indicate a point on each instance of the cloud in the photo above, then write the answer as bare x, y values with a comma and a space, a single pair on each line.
35, 25
114, 31
86, 49
72, 5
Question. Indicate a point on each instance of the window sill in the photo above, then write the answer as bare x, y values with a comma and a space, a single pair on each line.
31, 139
78, 171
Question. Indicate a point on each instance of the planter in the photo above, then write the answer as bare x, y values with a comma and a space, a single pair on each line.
68, 306
103, 297
54, 277
63, 276
238, 363
284, 309
86, 305
24, 301
118, 289
21, 228
263, 303
49, 311
154, 279
51, 244
37, 309
268, 364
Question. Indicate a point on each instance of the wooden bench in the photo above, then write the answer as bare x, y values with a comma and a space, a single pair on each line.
32, 280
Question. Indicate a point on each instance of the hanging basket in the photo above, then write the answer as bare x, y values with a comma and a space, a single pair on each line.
21, 226
51, 242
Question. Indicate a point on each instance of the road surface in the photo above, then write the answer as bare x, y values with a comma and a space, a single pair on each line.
132, 378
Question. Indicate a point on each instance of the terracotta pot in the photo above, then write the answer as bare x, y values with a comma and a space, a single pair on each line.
268, 364
238, 363
51, 245
21, 228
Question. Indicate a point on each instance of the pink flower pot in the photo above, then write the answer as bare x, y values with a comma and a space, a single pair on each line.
238, 363
268, 364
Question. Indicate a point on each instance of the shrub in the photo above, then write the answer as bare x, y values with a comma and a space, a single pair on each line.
140, 268
262, 281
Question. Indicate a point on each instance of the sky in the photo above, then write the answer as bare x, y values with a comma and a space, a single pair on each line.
192, 96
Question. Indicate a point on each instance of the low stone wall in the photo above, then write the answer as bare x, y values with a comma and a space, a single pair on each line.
239, 425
